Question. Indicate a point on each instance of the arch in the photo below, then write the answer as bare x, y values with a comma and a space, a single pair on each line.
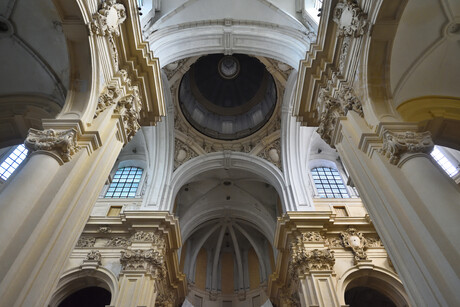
228, 160
185, 32
77, 279
82, 95
378, 279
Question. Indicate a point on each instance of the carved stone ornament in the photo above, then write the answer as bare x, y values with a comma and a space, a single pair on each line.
61, 143
310, 236
272, 153
150, 261
351, 20
182, 153
335, 242
108, 98
396, 144
104, 229
303, 260
107, 19
117, 242
94, 256
374, 241
355, 240
84, 242
334, 108
142, 236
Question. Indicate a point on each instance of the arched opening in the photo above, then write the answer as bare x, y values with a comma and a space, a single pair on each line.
88, 297
372, 288
365, 296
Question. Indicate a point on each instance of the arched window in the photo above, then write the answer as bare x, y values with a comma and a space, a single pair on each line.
125, 183
12, 161
328, 183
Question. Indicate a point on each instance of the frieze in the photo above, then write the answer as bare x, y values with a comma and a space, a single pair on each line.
396, 144
61, 143
84, 242
94, 255
118, 242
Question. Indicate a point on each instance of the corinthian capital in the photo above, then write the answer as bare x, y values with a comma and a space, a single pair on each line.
150, 261
396, 144
107, 19
61, 144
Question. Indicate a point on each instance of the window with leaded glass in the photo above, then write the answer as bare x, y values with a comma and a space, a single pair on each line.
11, 163
329, 183
125, 183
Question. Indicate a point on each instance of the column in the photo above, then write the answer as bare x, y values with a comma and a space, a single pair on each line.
144, 279
413, 204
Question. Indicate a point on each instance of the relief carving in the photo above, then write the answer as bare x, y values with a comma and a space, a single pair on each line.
355, 240
107, 19
94, 256
61, 143
117, 242
150, 261
109, 98
351, 20
143, 236
182, 153
396, 144
272, 153
84, 242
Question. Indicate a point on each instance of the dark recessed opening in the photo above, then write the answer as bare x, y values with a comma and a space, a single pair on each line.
3, 26
364, 297
88, 297
227, 183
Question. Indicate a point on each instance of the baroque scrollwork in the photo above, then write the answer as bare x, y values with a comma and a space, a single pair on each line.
61, 143
117, 242
310, 236
94, 256
182, 153
143, 236
150, 261
108, 98
107, 19
84, 242
334, 108
355, 240
396, 144
272, 153
350, 18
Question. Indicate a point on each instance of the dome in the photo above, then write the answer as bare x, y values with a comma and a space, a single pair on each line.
227, 97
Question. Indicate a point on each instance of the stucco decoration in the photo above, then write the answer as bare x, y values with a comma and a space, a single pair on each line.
396, 144
107, 19
310, 236
143, 236
272, 153
182, 153
61, 144
108, 98
84, 242
93, 255
351, 20
150, 261
117, 242
355, 240
334, 108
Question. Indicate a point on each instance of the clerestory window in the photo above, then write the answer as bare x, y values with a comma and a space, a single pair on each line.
444, 162
125, 183
328, 183
12, 161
